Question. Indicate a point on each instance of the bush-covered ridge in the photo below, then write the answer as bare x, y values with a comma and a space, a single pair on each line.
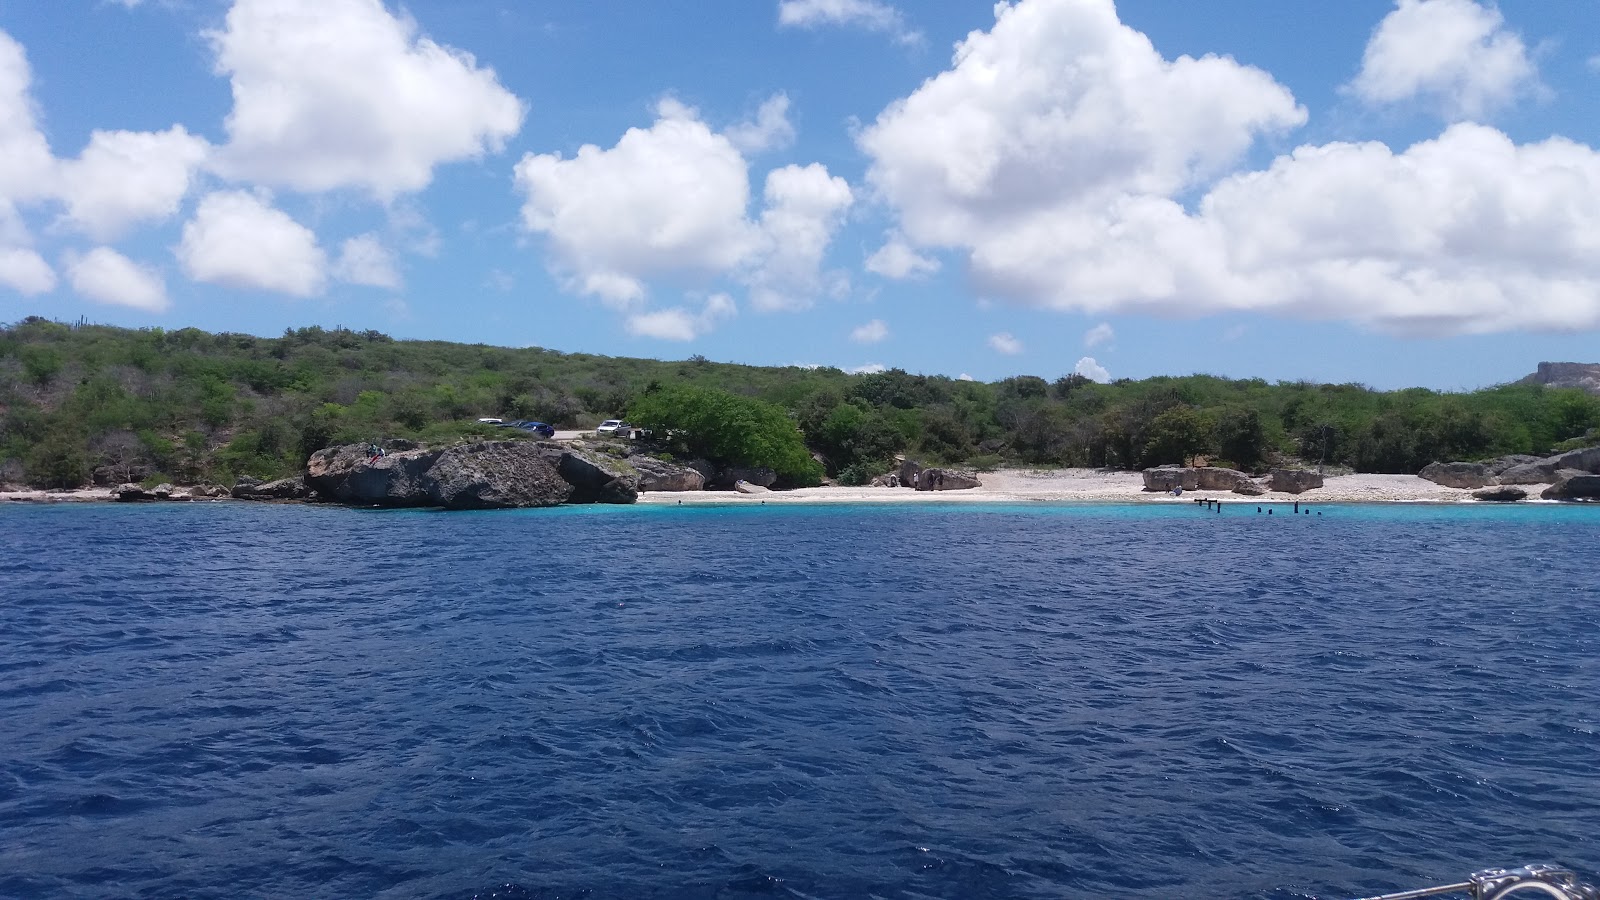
78, 401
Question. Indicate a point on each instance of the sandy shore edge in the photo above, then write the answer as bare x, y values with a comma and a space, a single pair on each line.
1003, 486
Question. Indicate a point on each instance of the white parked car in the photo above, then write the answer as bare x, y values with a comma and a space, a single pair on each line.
489, 421
612, 426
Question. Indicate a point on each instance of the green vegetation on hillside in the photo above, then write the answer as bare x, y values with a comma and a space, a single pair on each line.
90, 401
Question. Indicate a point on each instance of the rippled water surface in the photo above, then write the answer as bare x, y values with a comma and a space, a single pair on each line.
1042, 702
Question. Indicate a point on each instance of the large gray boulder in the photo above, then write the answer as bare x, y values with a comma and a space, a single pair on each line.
1251, 489
1572, 484
947, 480
1537, 472
595, 477
1501, 464
1501, 493
293, 488
1457, 474
1169, 478
657, 475
349, 474
493, 475
1204, 478
759, 476
1293, 481
131, 493
1585, 460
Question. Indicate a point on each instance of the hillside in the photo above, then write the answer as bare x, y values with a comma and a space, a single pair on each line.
82, 402
1583, 376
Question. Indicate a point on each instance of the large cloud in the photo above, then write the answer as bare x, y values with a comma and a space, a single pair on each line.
239, 240
670, 202
1455, 53
1061, 104
125, 177
340, 93
27, 173
1004, 158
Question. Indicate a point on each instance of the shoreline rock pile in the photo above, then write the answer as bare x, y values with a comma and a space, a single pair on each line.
1574, 475
1211, 478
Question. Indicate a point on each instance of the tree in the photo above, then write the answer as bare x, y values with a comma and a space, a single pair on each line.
728, 430
1175, 436
1240, 438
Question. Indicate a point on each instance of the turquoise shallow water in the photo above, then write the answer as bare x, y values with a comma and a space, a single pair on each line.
899, 702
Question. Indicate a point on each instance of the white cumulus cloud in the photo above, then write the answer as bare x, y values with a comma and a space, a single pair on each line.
335, 94
1080, 171
23, 270
868, 369
681, 324
1006, 343
1100, 334
771, 128
1088, 368
872, 15
123, 178
897, 260
671, 202
1456, 53
106, 276
237, 239
870, 333
366, 261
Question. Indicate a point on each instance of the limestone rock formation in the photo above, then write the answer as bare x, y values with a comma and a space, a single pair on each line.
1293, 481
1537, 472
595, 477
1501, 464
1573, 485
493, 475
947, 480
1457, 474
656, 475
1500, 494
891, 479
349, 474
293, 488
759, 476
1567, 374
1251, 489
131, 493
1203, 478
745, 487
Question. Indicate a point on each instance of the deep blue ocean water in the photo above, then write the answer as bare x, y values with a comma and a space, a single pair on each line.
231, 700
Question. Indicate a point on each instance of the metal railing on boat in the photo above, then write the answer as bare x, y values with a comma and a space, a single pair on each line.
1495, 884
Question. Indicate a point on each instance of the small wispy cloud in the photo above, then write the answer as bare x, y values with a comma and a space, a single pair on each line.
870, 333
872, 15
1005, 343
1100, 334
868, 369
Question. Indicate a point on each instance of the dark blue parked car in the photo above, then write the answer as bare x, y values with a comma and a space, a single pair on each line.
539, 428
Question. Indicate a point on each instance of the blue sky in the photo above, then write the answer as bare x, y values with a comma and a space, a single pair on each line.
1393, 192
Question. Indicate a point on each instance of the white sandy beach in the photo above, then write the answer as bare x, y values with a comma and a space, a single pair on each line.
1093, 486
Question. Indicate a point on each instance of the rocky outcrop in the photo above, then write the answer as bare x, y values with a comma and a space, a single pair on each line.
1499, 465
656, 475
1585, 376
1251, 489
1500, 494
349, 474
494, 475
756, 475
1538, 472
909, 470
1293, 481
283, 489
1573, 485
1585, 460
745, 487
891, 479
595, 477
947, 480
482, 475
1202, 478
131, 493
1457, 474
